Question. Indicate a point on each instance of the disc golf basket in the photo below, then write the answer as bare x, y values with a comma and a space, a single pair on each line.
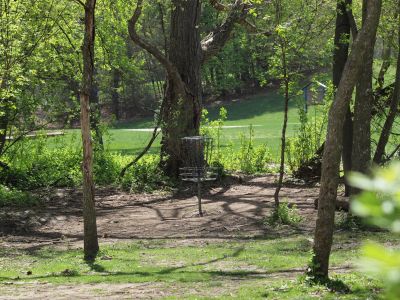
197, 154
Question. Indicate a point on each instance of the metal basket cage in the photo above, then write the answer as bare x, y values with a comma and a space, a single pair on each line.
197, 154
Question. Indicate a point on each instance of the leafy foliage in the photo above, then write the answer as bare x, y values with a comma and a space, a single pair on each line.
285, 214
12, 197
311, 132
379, 203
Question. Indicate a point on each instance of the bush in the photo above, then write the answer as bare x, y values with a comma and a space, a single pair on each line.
311, 133
249, 159
12, 197
145, 176
284, 215
35, 165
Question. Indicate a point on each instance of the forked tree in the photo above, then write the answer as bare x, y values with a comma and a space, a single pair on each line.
334, 140
187, 52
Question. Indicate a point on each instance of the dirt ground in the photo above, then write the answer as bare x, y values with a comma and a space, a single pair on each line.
234, 209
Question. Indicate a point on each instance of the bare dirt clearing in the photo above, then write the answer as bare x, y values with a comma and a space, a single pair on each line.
234, 210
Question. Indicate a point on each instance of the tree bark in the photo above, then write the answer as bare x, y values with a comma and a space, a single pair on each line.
4, 120
186, 53
333, 145
340, 55
91, 246
393, 110
361, 150
285, 121
182, 109
95, 115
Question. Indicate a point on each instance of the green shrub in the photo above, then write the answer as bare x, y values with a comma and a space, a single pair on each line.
311, 133
12, 197
213, 129
249, 159
284, 215
34, 165
145, 176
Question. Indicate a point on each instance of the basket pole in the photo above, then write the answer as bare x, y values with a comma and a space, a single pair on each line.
199, 193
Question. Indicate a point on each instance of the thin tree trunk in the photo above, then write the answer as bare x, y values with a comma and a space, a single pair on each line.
387, 127
333, 145
91, 246
340, 55
115, 94
386, 57
284, 127
5, 104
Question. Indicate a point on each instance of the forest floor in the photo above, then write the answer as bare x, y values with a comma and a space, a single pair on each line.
156, 246
231, 210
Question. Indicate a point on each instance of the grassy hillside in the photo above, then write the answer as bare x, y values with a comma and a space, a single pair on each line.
264, 112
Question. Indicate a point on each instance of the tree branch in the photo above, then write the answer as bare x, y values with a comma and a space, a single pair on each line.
155, 134
80, 3
216, 40
146, 45
237, 13
218, 6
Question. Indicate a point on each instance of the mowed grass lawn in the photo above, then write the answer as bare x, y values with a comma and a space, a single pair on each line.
264, 112
239, 269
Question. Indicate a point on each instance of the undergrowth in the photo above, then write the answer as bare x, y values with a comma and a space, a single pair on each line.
285, 214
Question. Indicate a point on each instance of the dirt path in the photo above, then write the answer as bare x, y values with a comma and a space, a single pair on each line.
232, 210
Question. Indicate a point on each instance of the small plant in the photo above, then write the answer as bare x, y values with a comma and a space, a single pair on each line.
252, 159
145, 176
346, 221
213, 129
285, 214
311, 133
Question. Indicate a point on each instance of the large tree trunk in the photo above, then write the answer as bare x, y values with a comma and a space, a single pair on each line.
387, 127
186, 53
340, 55
182, 109
91, 246
361, 151
333, 145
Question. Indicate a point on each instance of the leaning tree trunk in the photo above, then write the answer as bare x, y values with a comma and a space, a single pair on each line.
333, 145
361, 150
340, 55
182, 108
393, 110
91, 246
